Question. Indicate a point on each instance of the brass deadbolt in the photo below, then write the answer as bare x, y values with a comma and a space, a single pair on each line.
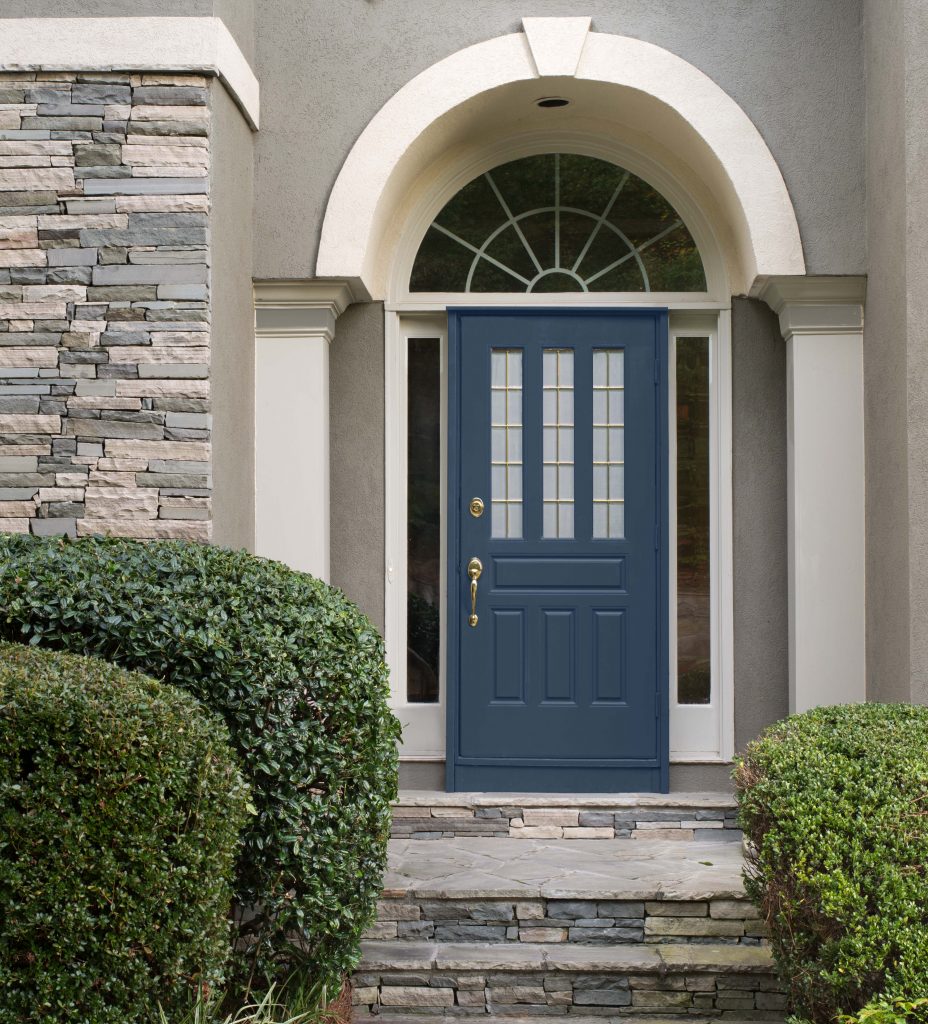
476, 507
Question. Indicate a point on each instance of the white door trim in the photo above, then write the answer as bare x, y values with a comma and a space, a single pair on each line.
699, 733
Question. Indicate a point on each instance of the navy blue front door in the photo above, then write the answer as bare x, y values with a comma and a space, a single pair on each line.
557, 634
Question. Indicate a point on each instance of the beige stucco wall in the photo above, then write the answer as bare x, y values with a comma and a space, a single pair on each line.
232, 367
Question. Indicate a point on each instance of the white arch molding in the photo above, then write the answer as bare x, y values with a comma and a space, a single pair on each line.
631, 101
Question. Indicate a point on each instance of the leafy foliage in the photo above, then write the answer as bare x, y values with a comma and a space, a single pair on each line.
886, 1011
278, 1005
833, 802
120, 809
298, 675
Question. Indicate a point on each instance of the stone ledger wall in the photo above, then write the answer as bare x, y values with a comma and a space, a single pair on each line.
104, 304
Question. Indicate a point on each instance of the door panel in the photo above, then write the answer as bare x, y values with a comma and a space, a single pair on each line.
557, 671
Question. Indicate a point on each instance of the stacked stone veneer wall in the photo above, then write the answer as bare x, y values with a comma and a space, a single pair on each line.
104, 304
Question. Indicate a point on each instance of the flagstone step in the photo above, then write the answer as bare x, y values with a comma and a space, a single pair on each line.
519, 980
707, 817
363, 1014
559, 891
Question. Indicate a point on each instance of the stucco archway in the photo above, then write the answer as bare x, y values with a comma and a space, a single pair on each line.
621, 86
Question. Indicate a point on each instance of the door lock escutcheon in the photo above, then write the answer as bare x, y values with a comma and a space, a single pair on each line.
474, 571
476, 507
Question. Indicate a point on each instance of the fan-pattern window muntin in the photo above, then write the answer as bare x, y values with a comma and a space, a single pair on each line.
558, 222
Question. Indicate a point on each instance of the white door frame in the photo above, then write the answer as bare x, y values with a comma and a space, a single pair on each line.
698, 733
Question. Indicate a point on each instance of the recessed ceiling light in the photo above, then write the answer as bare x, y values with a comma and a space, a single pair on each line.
547, 102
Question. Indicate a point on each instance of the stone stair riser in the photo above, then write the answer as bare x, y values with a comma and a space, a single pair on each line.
754, 997
516, 822
590, 922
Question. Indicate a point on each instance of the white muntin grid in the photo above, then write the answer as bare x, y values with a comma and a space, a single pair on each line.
608, 443
558, 443
584, 278
506, 443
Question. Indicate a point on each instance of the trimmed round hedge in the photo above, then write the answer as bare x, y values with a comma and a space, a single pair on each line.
120, 810
835, 804
298, 675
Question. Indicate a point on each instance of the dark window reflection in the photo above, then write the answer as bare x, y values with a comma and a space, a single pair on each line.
694, 678
424, 520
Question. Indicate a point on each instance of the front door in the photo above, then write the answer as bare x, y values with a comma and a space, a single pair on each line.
557, 637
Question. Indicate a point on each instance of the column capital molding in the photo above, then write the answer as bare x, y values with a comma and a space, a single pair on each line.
815, 305
153, 44
301, 309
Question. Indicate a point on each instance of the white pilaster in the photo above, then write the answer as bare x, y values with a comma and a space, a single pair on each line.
822, 323
294, 326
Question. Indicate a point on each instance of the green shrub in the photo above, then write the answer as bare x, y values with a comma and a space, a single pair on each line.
120, 809
298, 675
835, 803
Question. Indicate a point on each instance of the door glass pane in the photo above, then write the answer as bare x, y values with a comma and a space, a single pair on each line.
608, 443
558, 474
694, 645
423, 534
506, 443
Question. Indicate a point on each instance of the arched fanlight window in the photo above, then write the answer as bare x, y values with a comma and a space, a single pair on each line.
558, 222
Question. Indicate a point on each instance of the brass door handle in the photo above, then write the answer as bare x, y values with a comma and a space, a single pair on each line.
474, 571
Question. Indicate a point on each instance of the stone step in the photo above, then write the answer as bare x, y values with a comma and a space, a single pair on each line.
526, 980
560, 891
362, 1013
588, 922
707, 817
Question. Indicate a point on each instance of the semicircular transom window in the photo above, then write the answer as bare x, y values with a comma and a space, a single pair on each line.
558, 222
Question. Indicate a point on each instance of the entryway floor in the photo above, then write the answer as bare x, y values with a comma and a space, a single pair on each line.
469, 868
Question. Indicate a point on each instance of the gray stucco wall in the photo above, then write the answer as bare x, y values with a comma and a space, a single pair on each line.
238, 15
356, 423
327, 66
761, 625
886, 359
916, 104
232, 367
896, 353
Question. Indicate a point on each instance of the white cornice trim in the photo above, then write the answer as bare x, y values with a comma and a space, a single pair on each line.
815, 305
812, 289
300, 309
202, 45
338, 294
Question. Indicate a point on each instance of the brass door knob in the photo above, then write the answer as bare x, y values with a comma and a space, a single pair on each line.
474, 571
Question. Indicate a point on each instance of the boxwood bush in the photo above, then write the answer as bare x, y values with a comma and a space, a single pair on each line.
835, 805
298, 675
120, 809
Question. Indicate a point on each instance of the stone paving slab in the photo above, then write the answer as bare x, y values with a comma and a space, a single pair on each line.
362, 1014
406, 956
435, 798
703, 817
473, 868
